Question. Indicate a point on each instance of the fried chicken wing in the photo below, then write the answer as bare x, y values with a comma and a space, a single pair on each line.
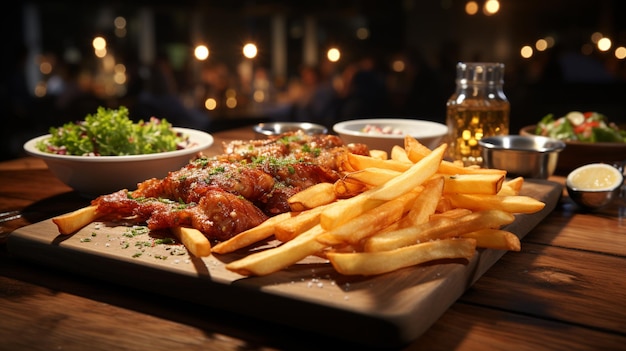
224, 195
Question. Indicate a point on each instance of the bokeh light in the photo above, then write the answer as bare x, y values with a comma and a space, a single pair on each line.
362, 33
398, 65
471, 8
526, 51
250, 50
541, 45
604, 44
99, 43
210, 104
201, 52
491, 7
333, 54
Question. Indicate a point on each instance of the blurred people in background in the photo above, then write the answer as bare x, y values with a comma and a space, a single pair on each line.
16, 95
18, 101
316, 100
159, 98
73, 95
426, 95
365, 94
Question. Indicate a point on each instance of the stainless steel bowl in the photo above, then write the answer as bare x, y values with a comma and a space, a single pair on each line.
594, 199
522, 156
277, 128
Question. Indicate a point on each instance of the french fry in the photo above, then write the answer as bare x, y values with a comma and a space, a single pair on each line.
452, 213
473, 183
417, 151
447, 167
444, 205
412, 177
195, 242
495, 239
373, 176
512, 204
70, 223
425, 204
371, 263
344, 164
439, 228
369, 222
347, 188
313, 196
361, 162
512, 186
252, 235
280, 257
398, 153
342, 211
409, 180
379, 154
298, 223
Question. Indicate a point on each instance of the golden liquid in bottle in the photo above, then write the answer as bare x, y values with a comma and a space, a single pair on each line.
468, 124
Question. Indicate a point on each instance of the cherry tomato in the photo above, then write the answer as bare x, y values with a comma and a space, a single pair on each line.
585, 126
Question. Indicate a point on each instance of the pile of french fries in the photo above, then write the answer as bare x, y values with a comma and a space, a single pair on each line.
389, 211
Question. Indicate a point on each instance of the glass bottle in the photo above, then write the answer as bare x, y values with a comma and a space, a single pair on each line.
477, 109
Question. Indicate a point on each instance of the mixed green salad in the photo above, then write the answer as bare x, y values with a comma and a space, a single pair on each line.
578, 126
111, 132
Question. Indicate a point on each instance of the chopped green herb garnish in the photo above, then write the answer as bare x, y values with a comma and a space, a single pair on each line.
140, 244
134, 231
164, 241
217, 170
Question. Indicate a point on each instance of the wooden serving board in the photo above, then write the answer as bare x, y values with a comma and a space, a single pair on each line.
388, 310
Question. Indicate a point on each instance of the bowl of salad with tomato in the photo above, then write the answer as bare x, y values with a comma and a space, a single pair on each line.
589, 138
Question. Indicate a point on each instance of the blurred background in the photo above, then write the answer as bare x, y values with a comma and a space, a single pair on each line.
214, 65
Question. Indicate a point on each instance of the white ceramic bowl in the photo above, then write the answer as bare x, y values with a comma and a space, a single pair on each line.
96, 175
431, 134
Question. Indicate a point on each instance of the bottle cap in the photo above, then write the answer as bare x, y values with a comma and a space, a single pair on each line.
491, 73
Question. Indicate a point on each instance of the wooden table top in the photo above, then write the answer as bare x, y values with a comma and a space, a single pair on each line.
565, 290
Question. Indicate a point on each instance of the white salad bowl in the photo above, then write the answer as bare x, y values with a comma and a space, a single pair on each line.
97, 175
429, 133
